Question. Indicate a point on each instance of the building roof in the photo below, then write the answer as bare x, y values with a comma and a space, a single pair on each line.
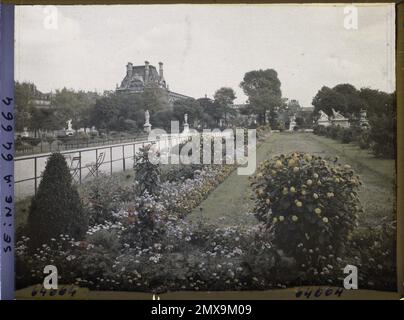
141, 71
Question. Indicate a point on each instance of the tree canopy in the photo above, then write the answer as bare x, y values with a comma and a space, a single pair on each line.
263, 89
346, 99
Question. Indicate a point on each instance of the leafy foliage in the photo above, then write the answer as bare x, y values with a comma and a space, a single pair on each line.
383, 133
102, 196
310, 205
57, 208
263, 89
147, 174
375, 248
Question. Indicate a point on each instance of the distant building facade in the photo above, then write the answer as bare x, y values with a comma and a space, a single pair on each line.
39, 99
138, 78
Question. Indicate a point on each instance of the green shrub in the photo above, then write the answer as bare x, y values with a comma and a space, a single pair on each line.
308, 203
347, 135
179, 172
363, 139
20, 145
145, 222
56, 209
334, 132
147, 174
102, 196
31, 141
106, 239
383, 130
376, 249
320, 130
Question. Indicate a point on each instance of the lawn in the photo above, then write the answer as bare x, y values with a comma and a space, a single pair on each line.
153, 244
230, 203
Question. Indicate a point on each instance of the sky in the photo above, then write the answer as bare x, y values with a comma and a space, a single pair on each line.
205, 47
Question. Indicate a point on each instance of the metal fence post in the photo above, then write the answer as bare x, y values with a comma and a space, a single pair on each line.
110, 158
80, 167
123, 157
96, 162
36, 179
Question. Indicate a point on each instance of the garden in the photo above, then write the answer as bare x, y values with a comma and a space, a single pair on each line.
130, 232
379, 139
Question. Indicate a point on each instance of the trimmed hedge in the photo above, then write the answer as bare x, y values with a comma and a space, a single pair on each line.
56, 208
380, 138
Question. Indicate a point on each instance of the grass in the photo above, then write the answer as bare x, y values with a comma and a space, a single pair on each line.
230, 202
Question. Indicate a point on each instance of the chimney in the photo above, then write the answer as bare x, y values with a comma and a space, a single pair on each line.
146, 71
161, 74
129, 69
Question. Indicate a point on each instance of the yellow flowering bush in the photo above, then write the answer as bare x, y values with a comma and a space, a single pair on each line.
309, 204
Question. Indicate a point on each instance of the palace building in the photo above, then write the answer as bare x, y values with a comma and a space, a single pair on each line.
138, 78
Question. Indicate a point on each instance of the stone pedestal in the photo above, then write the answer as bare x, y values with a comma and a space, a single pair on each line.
324, 123
186, 128
344, 123
25, 133
292, 124
69, 132
147, 127
363, 121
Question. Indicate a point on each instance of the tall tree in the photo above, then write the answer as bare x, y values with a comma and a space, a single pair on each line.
263, 89
343, 98
190, 107
23, 97
211, 112
376, 102
69, 104
45, 119
154, 99
224, 99
326, 99
353, 102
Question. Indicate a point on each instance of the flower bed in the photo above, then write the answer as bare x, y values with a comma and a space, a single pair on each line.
306, 233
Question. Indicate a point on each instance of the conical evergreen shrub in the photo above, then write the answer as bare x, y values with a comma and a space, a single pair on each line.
57, 208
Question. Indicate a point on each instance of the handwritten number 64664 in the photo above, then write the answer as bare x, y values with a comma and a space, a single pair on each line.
8, 116
8, 128
7, 101
8, 145
8, 157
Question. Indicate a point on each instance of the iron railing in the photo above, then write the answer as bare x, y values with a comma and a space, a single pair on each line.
82, 166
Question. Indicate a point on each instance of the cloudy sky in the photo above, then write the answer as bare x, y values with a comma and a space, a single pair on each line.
205, 47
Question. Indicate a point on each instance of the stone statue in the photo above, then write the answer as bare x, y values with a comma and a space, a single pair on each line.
337, 115
324, 119
147, 117
292, 122
186, 125
69, 131
69, 125
339, 120
363, 121
147, 126
323, 115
